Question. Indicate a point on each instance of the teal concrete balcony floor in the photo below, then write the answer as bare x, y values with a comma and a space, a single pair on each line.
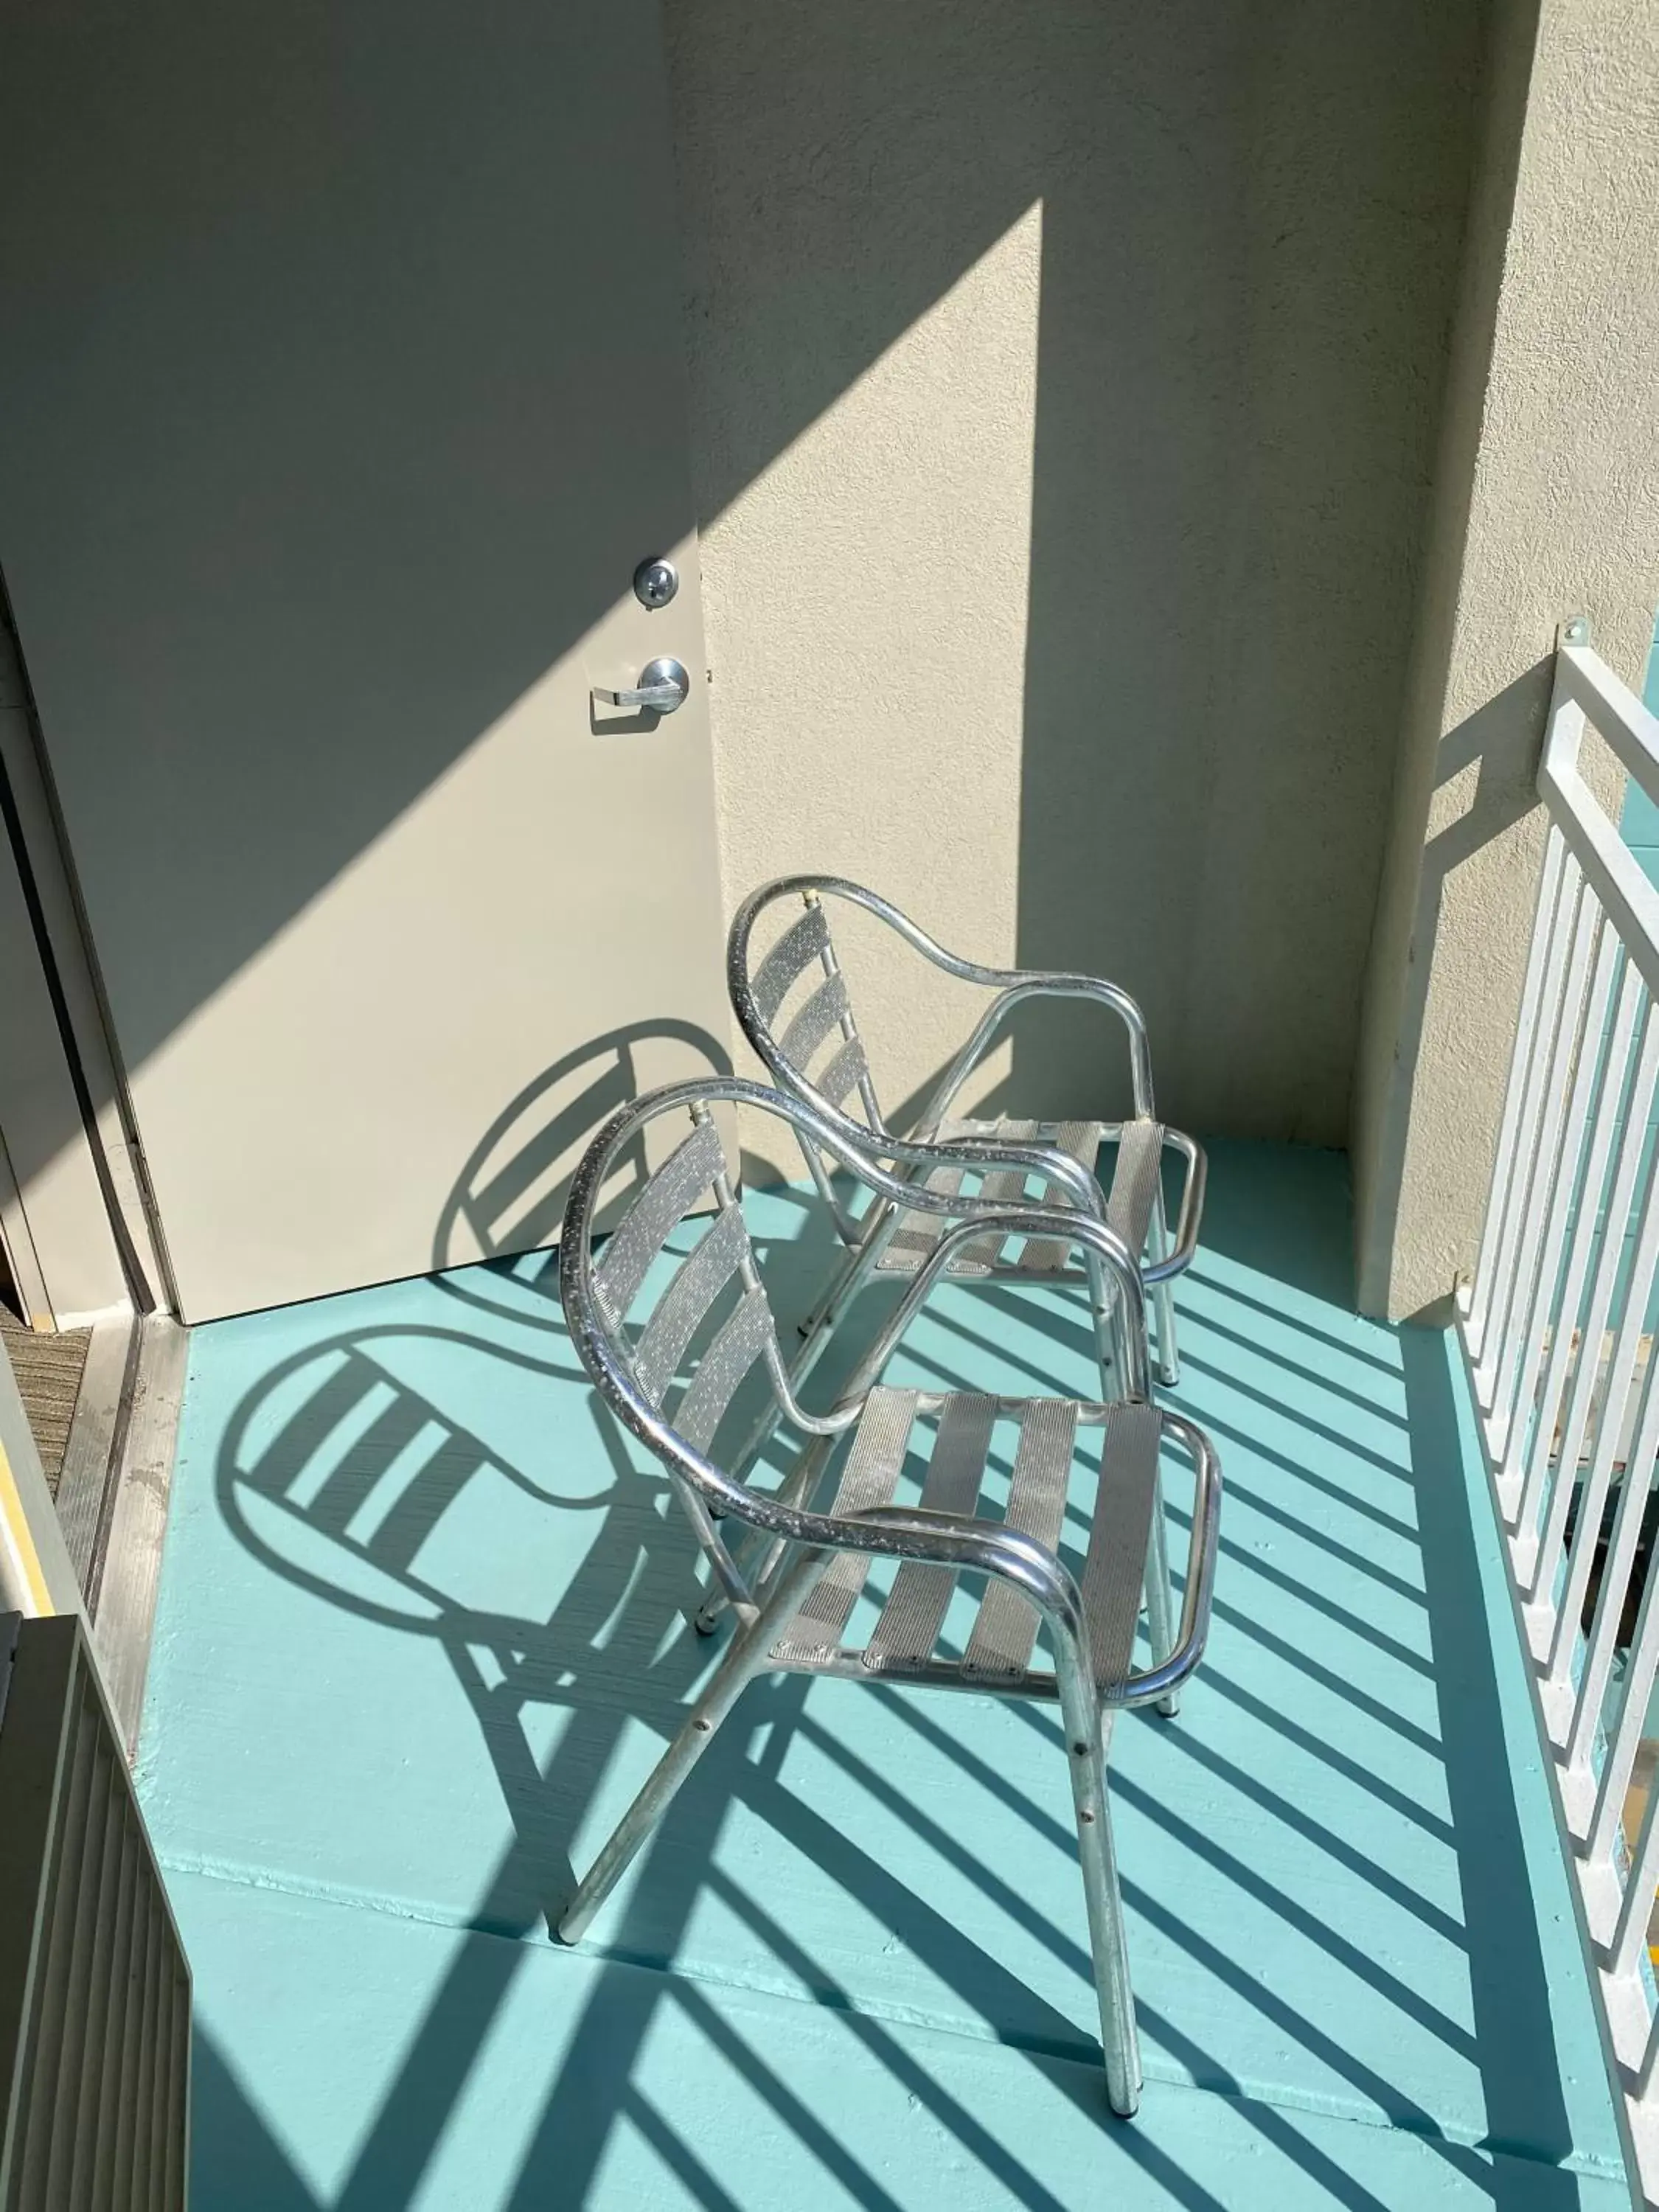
423, 1627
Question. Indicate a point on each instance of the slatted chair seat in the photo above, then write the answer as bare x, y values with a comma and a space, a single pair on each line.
1129, 1202
1000, 1643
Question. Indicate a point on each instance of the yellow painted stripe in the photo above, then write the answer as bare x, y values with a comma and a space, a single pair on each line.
14, 1528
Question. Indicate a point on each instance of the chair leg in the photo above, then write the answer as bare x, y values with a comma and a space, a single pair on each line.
1160, 1595
1169, 1355
731, 1585
1103, 1305
745, 1658
1107, 1942
761, 1551
847, 1281
820, 1315
758, 1562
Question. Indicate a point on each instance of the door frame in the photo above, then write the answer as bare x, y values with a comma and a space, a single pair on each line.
84, 1241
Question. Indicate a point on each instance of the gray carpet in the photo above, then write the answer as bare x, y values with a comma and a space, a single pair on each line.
48, 1371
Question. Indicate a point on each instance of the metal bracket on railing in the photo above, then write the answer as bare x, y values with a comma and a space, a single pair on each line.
1576, 630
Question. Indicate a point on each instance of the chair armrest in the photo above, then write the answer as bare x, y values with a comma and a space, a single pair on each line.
1104, 1246
1198, 1591
1180, 1256
992, 1547
977, 1154
982, 1153
1013, 986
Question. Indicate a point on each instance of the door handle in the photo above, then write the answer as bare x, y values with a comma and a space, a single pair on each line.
663, 686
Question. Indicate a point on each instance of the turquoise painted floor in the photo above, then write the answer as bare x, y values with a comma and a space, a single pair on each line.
422, 1629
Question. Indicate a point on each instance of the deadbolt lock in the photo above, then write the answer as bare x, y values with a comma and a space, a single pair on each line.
655, 582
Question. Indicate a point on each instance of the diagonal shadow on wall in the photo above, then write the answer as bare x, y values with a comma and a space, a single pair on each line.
1249, 239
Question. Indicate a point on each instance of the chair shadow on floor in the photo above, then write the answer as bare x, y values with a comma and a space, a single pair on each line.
336, 1473
506, 1204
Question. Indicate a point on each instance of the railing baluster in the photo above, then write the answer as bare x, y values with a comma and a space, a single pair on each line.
1581, 1397
1547, 1160
1586, 1243
1630, 1937
1508, 1133
1528, 1123
1619, 1763
1610, 1421
1616, 1581
1545, 1310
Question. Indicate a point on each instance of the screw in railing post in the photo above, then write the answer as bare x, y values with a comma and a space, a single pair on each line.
1576, 630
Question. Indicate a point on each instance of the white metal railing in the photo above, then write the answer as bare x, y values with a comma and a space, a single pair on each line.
1556, 1327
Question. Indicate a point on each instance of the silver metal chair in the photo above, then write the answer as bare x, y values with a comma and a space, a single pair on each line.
794, 1030
676, 1346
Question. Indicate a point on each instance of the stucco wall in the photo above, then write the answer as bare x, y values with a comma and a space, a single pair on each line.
1548, 505
1064, 383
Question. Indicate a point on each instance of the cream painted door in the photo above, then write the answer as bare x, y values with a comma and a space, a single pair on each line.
340, 395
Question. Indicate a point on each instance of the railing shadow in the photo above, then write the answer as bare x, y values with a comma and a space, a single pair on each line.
1507, 1982
239, 2140
334, 1472
317, 1514
508, 1200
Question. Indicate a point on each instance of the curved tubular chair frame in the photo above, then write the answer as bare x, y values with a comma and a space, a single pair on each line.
917, 1156
799, 1543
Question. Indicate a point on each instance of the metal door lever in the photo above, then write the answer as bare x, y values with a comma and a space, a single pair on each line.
663, 686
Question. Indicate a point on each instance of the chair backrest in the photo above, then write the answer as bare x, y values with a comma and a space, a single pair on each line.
687, 1312
814, 1049
793, 1003
668, 1313
672, 1326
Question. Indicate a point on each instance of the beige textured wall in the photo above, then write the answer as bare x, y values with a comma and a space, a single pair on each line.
1064, 383
1547, 504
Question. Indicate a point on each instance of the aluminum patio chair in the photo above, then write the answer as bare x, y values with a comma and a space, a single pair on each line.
675, 1345
793, 1029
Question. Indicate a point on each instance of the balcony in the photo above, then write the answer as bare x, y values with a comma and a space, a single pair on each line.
1122, 471
422, 1625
